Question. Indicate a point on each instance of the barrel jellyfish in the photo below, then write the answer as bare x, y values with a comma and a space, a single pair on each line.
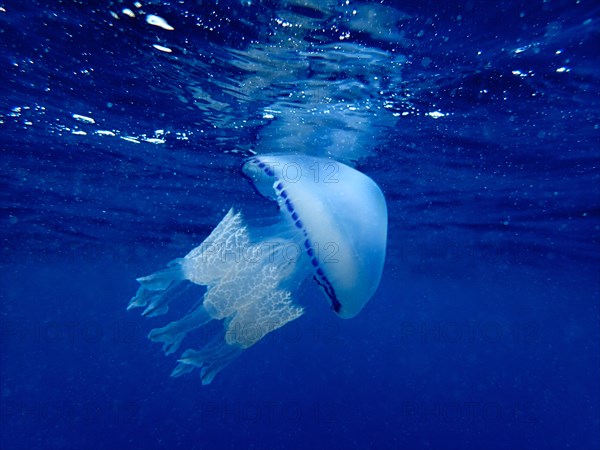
331, 226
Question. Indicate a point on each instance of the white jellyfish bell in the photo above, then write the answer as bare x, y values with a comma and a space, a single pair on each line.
332, 226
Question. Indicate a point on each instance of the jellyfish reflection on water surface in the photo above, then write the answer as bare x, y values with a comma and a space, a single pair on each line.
332, 226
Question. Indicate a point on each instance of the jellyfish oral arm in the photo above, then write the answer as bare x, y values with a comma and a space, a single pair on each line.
242, 290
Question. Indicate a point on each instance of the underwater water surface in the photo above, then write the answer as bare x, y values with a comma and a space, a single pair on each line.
123, 130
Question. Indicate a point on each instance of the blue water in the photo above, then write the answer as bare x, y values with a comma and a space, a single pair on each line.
121, 143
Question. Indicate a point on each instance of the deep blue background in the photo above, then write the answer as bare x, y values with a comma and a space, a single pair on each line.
485, 330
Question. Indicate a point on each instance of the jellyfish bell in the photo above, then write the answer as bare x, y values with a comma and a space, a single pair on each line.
332, 227
341, 217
